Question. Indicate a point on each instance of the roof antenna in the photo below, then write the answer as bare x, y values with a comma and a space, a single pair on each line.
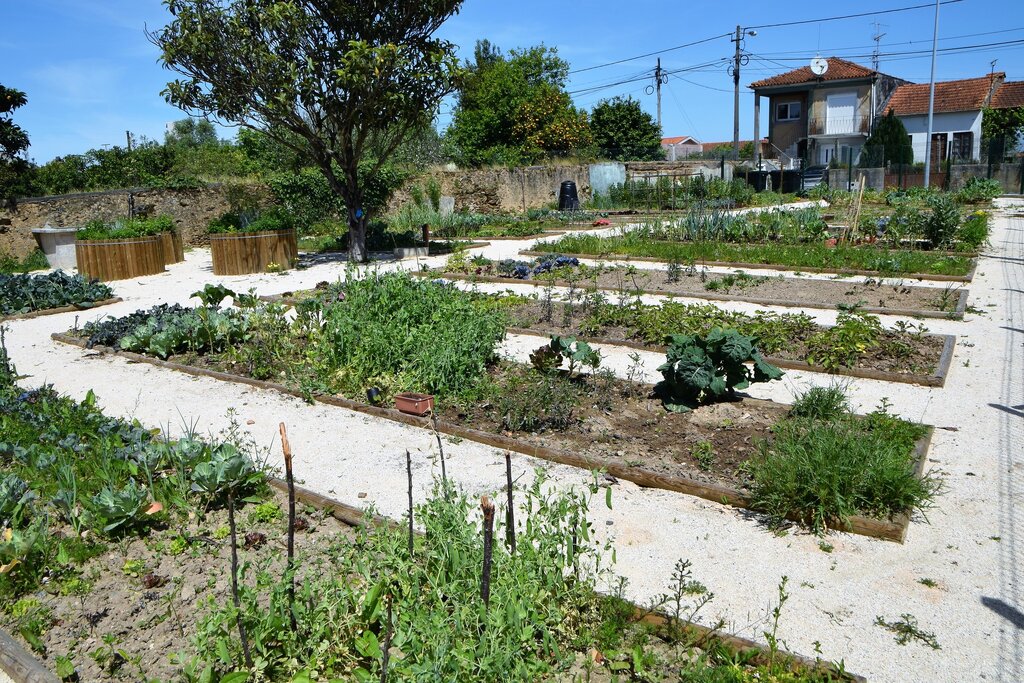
877, 37
992, 69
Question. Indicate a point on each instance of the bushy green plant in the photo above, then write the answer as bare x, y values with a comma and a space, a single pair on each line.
534, 401
977, 190
821, 403
578, 354
823, 471
941, 224
974, 231
704, 369
125, 229
270, 220
854, 333
9, 265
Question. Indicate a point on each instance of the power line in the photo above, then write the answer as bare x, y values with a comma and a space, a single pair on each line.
953, 48
837, 50
853, 16
656, 52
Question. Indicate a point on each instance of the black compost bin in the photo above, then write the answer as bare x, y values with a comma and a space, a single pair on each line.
568, 198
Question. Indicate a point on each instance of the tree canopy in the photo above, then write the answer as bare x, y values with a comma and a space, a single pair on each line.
624, 131
341, 83
1003, 127
514, 109
888, 144
13, 142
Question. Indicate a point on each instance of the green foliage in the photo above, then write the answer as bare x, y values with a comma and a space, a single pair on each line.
578, 353
624, 131
941, 224
514, 110
387, 67
978, 190
705, 369
275, 219
528, 401
13, 143
36, 260
821, 403
25, 292
1003, 124
889, 143
117, 509
974, 231
128, 228
822, 470
839, 346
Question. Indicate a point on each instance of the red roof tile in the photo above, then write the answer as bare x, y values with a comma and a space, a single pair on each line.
1008, 96
679, 139
969, 94
838, 70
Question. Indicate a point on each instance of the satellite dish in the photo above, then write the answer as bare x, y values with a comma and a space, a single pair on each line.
819, 66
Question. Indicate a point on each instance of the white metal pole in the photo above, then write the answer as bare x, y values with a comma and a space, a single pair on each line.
931, 104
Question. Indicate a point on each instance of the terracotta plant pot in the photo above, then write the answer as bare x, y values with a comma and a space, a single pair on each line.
414, 404
831, 242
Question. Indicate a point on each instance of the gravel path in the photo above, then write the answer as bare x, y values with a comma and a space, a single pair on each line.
969, 548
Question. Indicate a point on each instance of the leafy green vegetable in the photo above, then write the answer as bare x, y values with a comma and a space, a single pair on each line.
23, 293
707, 369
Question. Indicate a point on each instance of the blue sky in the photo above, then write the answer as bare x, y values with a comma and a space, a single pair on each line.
90, 74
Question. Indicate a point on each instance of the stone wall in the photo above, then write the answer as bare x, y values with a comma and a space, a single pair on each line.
192, 210
500, 190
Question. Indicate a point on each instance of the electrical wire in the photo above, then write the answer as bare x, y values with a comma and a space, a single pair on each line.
656, 52
853, 16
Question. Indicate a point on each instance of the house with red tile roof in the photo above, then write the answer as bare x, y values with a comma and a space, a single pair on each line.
957, 115
818, 117
680, 147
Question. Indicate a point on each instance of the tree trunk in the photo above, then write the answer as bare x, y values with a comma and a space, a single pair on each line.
357, 252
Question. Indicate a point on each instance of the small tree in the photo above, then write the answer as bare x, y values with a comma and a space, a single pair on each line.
190, 133
623, 131
13, 141
888, 143
341, 82
1003, 125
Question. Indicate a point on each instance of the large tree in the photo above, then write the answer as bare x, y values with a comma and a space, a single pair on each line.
515, 110
624, 131
13, 142
342, 83
888, 143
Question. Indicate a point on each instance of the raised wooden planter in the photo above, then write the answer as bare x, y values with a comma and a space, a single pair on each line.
174, 249
120, 259
241, 253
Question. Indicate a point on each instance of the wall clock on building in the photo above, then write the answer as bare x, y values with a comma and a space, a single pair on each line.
819, 65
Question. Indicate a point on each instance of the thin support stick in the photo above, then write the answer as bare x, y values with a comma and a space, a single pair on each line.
289, 477
408, 470
510, 515
387, 642
440, 448
234, 581
485, 580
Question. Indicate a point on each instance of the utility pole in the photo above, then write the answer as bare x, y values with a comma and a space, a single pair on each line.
657, 86
877, 37
739, 59
931, 104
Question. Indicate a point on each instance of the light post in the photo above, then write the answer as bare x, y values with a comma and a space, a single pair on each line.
739, 59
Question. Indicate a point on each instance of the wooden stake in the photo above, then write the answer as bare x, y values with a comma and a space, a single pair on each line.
234, 581
387, 642
510, 515
290, 479
485, 580
440, 448
408, 469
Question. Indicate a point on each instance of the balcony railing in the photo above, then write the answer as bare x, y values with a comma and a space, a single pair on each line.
838, 125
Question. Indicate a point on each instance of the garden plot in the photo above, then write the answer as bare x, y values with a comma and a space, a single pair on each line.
33, 295
873, 295
614, 425
130, 567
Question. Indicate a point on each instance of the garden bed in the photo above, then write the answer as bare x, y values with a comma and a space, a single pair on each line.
62, 309
33, 295
872, 297
120, 259
622, 440
783, 257
103, 577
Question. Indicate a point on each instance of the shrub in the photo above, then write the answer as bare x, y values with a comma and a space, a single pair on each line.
707, 369
977, 190
821, 403
271, 220
823, 471
532, 401
941, 224
974, 231
126, 229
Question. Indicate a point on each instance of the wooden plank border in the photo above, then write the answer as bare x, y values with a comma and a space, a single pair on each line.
891, 530
769, 266
62, 309
20, 664
956, 314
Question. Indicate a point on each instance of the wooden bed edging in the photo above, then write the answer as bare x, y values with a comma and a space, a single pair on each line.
62, 309
357, 517
889, 530
120, 259
936, 380
768, 266
956, 314
241, 253
20, 665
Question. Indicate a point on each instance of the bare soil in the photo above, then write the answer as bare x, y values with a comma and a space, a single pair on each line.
153, 614
786, 290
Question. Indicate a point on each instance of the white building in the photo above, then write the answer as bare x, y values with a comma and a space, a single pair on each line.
956, 124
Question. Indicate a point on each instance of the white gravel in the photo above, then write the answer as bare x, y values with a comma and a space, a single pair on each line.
969, 547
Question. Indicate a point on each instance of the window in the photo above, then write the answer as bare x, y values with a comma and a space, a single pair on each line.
787, 111
962, 146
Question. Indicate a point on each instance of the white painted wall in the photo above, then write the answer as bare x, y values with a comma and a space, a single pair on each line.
953, 122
